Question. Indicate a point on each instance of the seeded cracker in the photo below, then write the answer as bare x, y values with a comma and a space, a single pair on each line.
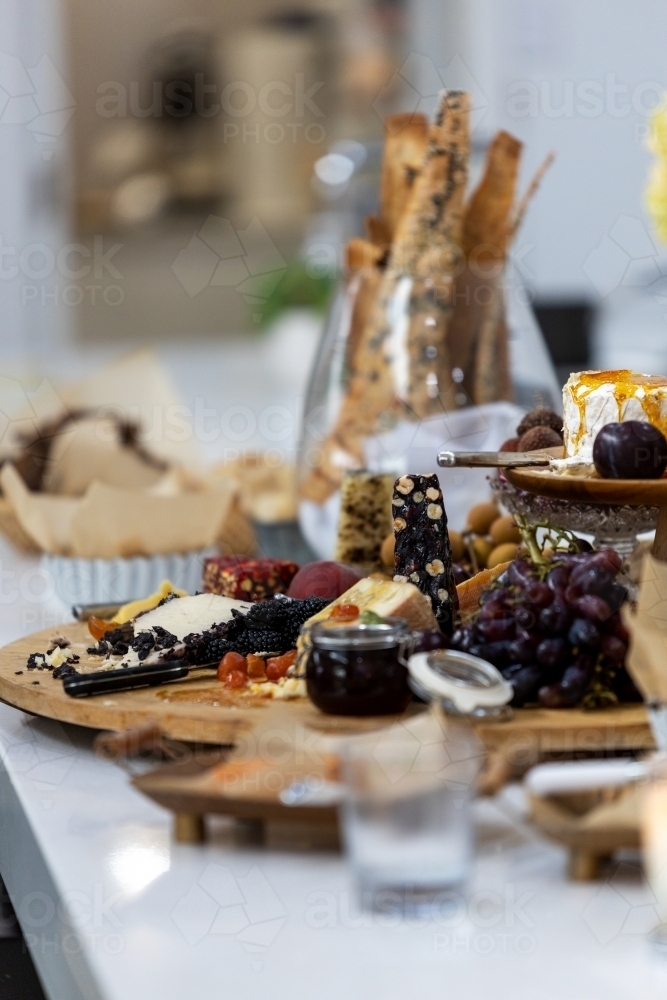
423, 555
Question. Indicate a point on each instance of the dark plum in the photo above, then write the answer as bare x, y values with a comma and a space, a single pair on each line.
593, 607
430, 638
584, 634
551, 652
633, 449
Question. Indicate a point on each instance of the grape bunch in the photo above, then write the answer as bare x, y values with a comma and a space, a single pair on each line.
555, 632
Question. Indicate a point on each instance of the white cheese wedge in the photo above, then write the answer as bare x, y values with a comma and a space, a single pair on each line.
387, 598
592, 399
184, 615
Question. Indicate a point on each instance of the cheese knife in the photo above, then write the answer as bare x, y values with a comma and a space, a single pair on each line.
492, 459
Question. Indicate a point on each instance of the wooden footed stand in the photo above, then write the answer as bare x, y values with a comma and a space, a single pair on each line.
608, 492
660, 544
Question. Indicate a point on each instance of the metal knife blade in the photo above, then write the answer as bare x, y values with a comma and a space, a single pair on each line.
491, 459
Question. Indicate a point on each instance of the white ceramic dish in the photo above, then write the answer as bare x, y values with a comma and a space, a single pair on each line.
110, 581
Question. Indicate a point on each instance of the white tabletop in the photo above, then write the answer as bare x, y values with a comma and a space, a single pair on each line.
112, 908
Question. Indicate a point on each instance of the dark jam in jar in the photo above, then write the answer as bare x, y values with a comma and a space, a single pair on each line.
359, 669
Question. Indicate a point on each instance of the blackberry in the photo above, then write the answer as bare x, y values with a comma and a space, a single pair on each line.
64, 670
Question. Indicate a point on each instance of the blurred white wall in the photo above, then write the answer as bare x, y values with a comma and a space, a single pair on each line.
36, 106
576, 77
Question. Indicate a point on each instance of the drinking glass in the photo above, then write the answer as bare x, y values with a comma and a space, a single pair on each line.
406, 816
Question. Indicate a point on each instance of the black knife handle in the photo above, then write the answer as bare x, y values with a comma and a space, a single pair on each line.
123, 679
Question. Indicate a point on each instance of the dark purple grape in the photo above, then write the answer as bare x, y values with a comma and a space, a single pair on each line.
495, 652
459, 573
584, 634
525, 680
555, 618
495, 629
463, 638
539, 594
557, 578
590, 579
551, 652
584, 544
519, 573
521, 651
429, 638
614, 626
524, 616
613, 648
606, 558
615, 595
593, 607
491, 610
633, 449
572, 686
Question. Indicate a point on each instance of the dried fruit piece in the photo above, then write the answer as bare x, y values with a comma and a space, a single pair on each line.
98, 627
277, 666
256, 667
512, 444
229, 662
539, 437
236, 679
540, 417
501, 554
505, 530
481, 517
345, 612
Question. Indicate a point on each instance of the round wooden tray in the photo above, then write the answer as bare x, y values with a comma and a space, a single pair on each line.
180, 713
580, 489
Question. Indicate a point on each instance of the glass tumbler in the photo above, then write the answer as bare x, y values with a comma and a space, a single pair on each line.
406, 816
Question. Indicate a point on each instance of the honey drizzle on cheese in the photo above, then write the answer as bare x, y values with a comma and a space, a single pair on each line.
625, 385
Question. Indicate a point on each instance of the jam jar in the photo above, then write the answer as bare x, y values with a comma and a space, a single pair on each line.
359, 669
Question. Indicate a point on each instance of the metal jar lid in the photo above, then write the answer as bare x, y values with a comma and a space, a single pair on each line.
463, 684
357, 635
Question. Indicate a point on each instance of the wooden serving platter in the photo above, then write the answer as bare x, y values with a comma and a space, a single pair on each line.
582, 489
201, 710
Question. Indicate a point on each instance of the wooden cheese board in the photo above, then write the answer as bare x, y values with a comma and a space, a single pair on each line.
201, 710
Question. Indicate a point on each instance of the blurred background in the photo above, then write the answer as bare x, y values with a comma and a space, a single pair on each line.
185, 175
